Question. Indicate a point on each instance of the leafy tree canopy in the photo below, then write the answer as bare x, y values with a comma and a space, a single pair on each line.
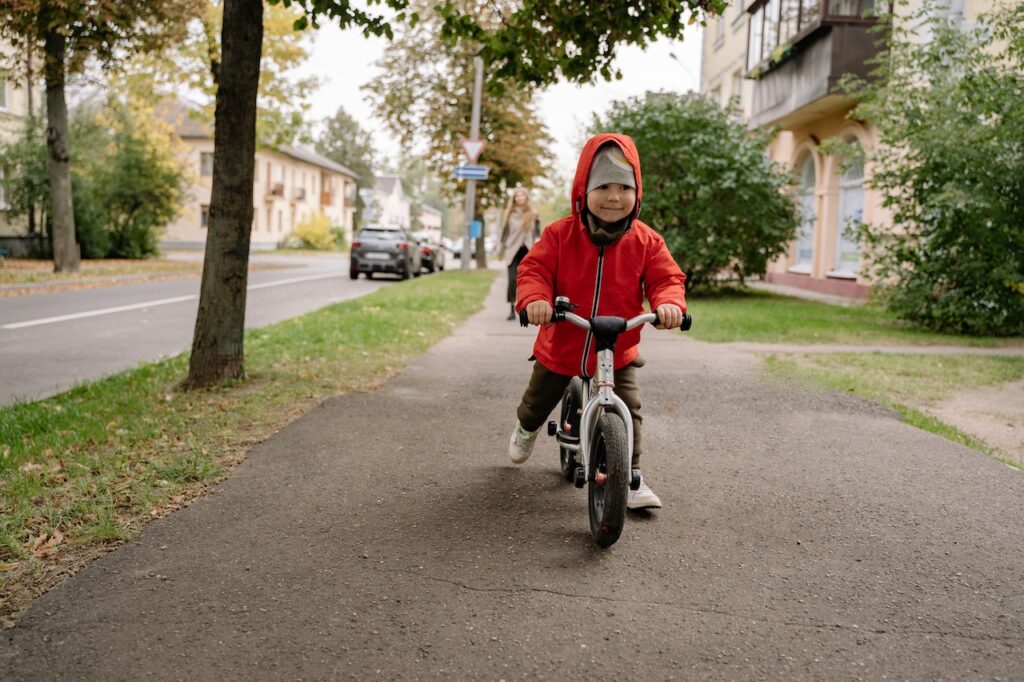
193, 65
950, 168
425, 98
709, 188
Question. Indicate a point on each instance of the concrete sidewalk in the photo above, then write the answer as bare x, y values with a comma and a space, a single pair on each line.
385, 535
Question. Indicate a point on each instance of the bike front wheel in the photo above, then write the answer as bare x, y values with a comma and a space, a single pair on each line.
609, 479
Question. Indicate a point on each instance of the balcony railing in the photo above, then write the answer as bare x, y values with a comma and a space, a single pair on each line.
275, 190
798, 50
299, 194
326, 198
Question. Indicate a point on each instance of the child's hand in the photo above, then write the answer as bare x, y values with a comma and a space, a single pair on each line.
539, 312
670, 315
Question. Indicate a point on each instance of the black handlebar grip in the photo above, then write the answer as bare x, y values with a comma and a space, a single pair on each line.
687, 323
524, 320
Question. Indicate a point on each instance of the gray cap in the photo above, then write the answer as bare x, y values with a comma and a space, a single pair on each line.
610, 166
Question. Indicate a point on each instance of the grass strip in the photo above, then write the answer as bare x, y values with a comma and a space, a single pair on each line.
907, 383
761, 317
27, 271
86, 469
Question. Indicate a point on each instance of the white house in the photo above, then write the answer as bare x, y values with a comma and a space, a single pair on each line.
387, 202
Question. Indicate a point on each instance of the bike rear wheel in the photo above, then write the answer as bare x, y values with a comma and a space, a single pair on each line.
572, 401
609, 479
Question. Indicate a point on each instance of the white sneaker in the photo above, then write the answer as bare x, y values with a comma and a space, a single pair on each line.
642, 498
520, 445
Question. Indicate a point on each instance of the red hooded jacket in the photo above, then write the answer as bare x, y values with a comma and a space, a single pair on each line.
565, 262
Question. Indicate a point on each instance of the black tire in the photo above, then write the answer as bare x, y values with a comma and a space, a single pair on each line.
609, 455
572, 400
369, 275
404, 274
353, 274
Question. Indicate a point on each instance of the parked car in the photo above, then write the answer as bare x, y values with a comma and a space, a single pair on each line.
384, 248
432, 254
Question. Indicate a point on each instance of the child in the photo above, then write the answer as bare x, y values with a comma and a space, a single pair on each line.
606, 261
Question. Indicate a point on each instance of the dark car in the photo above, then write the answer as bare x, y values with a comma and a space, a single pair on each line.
384, 248
432, 254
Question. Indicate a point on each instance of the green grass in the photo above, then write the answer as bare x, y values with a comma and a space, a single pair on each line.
907, 383
767, 318
91, 465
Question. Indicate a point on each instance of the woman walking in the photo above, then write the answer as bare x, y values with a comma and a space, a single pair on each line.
521, 230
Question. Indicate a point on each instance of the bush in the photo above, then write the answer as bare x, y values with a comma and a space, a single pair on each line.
126, 177
315, 233
950, 168
709, 188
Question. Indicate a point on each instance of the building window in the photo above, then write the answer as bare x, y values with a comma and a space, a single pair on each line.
808, 214
754, 36
206, 164
851, 215
280, 220
3, 190
719, 32
204, 216
3, 89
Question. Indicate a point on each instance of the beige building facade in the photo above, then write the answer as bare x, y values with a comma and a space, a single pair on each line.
777, 63
17, 99
291, 185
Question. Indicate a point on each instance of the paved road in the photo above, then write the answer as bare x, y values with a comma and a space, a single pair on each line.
806, 535
47, 346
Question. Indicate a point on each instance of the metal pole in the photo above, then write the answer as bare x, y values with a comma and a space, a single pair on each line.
474, 133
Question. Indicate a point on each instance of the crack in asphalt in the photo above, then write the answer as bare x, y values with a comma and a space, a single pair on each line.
702, 610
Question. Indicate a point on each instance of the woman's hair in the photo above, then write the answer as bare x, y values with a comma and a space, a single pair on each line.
527, 207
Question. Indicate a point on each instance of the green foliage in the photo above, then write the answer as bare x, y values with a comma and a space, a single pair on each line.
950, 168
346, 142
127, 179
536, 42
709, 188
424, 95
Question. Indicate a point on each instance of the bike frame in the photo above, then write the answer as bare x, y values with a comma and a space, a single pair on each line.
599, 395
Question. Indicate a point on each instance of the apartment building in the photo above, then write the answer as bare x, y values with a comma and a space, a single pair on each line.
290, 185
778, 62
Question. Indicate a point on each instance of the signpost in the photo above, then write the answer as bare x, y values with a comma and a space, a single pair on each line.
474, 137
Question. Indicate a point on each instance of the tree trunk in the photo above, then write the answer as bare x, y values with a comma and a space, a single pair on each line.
217, 347
66, 256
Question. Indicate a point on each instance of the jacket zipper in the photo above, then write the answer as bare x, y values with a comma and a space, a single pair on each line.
593, 312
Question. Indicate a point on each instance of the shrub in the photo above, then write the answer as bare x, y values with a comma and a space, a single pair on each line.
315, 233
950, 168
709, 188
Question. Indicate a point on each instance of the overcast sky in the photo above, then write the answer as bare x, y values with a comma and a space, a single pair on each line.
343, 61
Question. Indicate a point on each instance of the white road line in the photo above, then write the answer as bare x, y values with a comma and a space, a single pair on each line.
152, 304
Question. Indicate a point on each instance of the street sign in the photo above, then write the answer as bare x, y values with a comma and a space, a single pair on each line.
472, 148
476, 228
471, 172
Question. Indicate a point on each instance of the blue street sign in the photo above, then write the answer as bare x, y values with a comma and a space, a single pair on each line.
471, 172
476, 228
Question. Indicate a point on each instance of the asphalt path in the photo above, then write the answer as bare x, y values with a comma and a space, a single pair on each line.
805, 535
51, 341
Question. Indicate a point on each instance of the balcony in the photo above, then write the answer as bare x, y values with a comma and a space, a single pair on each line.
299, 194
797, 52
326, 198
275, 191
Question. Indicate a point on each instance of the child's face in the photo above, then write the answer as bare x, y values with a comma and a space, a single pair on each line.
611, 202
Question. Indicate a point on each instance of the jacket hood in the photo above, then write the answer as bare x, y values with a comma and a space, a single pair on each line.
579, 183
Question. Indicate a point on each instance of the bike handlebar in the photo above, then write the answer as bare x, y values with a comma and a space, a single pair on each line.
584, 323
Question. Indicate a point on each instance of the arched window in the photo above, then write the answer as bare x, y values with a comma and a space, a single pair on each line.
851, 214
808, 213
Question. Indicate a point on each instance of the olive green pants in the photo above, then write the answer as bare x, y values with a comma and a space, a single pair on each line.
545, 390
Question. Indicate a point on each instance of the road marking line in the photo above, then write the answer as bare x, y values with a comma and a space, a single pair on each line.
102, 311
293, 280
152, 304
